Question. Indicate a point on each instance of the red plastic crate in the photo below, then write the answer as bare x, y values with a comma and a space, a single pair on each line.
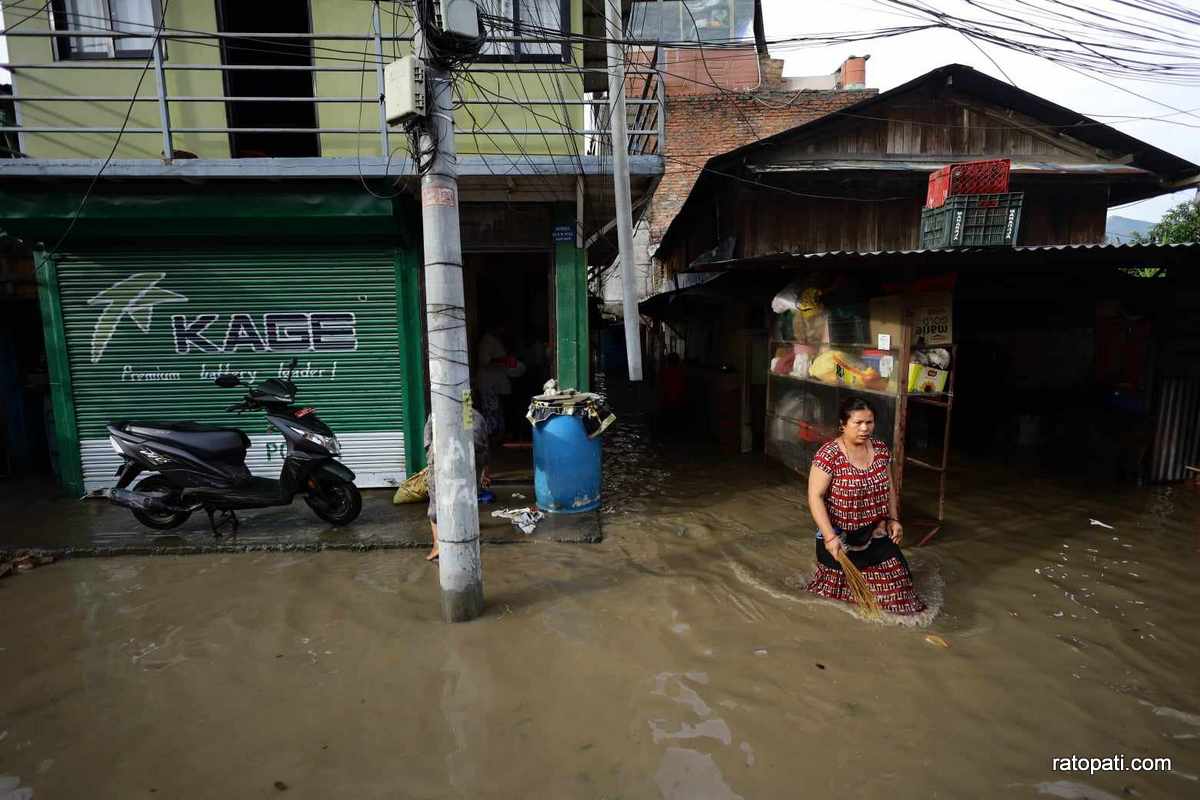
970, 177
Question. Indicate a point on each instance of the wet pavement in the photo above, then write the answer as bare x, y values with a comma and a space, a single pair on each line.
679, 658
67, 527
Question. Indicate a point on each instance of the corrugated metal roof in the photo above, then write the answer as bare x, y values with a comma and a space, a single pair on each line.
1134, 255
1023, 167
762, 276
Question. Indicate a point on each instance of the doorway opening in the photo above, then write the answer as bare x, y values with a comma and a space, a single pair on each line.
510, 315
27, 448
262, 49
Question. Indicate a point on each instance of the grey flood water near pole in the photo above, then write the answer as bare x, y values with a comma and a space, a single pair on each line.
459, 566
620, 149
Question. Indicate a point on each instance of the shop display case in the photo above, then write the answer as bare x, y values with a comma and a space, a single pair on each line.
892, 350
820, 356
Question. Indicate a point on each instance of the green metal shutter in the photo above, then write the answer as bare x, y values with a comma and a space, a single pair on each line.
148, 329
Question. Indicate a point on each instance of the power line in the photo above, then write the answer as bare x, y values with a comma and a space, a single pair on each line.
1141, 69
358, 135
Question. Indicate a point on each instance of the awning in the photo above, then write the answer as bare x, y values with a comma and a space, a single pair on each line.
1033, 257
762, 276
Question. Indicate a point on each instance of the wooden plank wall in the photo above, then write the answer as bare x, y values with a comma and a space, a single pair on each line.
923, 124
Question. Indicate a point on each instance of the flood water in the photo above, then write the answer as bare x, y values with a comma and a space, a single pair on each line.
678, 659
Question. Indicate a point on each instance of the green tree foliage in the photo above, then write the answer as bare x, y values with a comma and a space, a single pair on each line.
1180, 224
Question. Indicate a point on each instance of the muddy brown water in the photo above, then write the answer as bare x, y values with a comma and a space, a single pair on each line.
678, 659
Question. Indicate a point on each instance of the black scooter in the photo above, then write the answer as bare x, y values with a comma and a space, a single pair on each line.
203, 467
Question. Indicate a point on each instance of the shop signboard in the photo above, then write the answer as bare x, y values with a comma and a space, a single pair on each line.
933, 320
148, 333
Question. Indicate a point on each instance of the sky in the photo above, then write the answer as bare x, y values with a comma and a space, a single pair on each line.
896, 61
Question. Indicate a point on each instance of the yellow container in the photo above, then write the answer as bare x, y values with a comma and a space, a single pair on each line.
926, 380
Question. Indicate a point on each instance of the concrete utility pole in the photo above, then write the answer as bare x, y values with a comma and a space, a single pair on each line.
459, 567
620, 147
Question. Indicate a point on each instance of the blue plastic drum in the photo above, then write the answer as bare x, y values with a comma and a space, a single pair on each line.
566, 466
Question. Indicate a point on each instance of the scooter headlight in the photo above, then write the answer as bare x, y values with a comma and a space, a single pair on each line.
112, 441
329, 443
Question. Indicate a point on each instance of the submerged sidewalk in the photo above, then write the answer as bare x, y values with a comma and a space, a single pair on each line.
95, 527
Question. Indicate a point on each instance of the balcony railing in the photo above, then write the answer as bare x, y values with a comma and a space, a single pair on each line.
512, 108
645, 120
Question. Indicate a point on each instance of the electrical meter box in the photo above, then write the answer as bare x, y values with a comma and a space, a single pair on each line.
404, 90
460, 18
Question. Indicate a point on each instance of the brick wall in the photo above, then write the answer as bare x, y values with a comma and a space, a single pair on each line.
701, 126
690, 71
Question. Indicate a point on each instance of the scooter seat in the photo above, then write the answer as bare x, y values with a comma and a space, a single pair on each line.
221, 443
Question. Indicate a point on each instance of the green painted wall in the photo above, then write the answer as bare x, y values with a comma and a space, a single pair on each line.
62, 398
571, 309
329, 16
410, 321
93, 78
354, 16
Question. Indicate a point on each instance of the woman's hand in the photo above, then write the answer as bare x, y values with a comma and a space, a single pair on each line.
895, 531
833, 546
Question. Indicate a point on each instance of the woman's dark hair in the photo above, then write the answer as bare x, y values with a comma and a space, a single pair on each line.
850, 405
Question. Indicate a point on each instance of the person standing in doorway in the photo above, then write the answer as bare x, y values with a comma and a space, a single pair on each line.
495, 369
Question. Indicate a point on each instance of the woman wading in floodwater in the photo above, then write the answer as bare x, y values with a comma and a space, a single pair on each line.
853, 501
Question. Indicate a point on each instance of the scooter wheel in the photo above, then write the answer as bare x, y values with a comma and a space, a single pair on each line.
164, 521
336, 502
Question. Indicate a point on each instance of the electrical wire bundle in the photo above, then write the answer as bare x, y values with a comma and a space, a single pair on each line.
448, 50
1154, 40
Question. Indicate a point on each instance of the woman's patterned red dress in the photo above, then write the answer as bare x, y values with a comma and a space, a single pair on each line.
857, 502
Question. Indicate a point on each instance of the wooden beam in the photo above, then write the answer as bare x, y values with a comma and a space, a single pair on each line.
1059, 140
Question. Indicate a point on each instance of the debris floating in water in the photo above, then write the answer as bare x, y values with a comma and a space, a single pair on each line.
1100, 524
937, 641
23, 561
524, 518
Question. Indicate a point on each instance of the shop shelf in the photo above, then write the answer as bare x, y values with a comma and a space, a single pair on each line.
840, 386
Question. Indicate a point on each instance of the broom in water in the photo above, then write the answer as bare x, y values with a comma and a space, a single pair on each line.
863, 596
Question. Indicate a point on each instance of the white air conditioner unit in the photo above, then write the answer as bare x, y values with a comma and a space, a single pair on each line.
403, 90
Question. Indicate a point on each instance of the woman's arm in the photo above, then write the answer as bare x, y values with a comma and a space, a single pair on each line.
818, 485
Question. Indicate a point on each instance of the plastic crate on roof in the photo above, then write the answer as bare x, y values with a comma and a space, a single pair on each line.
969, 177
974, 220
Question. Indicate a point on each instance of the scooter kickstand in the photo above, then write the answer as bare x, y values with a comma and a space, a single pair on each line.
212, 523
227, 518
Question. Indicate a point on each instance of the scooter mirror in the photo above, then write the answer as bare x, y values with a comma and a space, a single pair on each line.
227, 381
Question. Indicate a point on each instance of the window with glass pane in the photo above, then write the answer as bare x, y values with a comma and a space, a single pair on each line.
115, 16
706, 21
541, 18
545, 21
